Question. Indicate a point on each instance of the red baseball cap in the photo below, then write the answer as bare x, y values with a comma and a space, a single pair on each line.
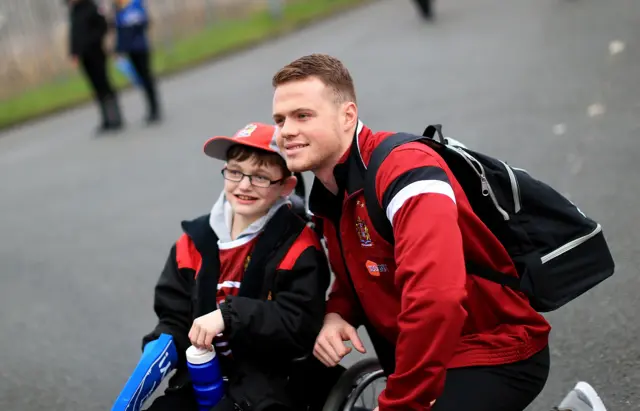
256, 135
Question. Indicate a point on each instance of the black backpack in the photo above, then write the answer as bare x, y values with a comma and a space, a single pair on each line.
558, 251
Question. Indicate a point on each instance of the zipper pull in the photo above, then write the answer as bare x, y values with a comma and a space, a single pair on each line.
485, 186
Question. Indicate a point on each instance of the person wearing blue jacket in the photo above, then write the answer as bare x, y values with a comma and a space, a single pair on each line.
131, 24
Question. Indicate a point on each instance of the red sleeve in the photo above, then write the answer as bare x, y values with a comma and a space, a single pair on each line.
417, 196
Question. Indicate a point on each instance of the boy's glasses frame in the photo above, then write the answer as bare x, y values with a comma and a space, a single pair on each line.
237, 176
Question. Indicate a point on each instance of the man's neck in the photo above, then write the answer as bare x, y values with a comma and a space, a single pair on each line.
325, 174
327, 179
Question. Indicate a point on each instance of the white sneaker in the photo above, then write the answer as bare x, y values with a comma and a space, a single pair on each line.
582, 398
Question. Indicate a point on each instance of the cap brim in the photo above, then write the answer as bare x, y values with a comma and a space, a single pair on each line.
218, 146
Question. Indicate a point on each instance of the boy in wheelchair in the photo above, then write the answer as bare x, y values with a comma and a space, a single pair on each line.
271, 276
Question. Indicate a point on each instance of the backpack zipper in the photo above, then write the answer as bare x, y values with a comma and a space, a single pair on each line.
570, 245
514, 188
486, 187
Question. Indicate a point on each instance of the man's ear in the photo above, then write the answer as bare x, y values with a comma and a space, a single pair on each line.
288, 185
350, 115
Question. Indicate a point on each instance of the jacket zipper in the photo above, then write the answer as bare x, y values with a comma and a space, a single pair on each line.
486, 187
514, 188
570, 245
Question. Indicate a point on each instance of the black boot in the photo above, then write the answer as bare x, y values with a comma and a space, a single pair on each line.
153, 107
112, 114
104, 120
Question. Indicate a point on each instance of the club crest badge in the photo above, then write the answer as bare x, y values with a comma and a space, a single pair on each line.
363, 233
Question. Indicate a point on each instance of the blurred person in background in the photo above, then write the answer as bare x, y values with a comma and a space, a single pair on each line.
132, 23
426, 8
87, 30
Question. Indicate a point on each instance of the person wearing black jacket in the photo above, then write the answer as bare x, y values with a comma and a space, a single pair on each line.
271, 276
87, 30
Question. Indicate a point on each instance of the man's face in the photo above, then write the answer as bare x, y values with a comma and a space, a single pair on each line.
249, 200
310, 124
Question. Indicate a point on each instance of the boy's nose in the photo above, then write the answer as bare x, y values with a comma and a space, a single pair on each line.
245, 183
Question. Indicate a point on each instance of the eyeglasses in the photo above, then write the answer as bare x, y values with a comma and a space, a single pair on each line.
257, 181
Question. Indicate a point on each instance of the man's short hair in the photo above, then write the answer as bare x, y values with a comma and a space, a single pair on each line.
328, 69
240, 152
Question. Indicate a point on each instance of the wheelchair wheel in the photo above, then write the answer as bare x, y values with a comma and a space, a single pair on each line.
354, 381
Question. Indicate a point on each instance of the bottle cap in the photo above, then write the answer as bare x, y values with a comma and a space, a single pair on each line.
199, 356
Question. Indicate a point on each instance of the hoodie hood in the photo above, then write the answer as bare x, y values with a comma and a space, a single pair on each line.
221, 218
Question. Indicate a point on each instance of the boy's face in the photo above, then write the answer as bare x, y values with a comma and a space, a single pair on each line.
249, 200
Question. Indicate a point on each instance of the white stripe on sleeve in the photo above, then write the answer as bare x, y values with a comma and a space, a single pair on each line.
417, 188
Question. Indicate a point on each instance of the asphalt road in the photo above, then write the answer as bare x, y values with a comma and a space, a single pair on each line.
85, 223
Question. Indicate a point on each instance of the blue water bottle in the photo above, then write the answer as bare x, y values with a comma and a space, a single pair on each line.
206, 377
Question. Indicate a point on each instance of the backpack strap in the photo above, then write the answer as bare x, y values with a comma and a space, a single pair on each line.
376, 213
378, 216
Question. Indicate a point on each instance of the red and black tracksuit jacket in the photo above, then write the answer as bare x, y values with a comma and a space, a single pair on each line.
416, 296
272, 319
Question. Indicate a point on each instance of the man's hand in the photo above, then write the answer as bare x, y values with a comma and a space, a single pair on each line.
329, 347
205, 328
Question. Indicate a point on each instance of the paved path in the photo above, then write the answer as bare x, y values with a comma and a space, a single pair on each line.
85, 223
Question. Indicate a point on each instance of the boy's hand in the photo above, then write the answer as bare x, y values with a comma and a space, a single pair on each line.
329, 347
205, 328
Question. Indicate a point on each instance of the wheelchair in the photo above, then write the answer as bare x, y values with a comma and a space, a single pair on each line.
348, 392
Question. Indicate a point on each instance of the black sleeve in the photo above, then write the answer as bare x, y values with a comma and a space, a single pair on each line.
284, 328
173, 305
98, 22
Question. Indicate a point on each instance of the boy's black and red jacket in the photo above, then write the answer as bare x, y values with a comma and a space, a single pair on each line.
276, 315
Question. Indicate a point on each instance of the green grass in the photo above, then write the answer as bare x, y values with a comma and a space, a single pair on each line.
215, 41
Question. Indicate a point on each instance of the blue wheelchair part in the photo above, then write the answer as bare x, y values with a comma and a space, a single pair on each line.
159, 357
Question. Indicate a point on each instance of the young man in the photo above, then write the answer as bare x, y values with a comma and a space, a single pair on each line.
268, 268
459, 340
